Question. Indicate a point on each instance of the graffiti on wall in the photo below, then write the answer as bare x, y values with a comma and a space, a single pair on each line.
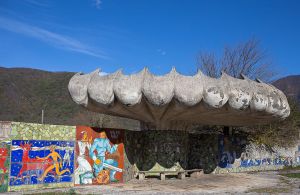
41, 162
297, 155
286, 161
100, 155
230, 149
4, 165
235, 152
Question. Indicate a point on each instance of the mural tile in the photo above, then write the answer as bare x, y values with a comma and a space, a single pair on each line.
4, 164
51, 178
36, 150
16, 151
31, 131
3, 182
25, 176
16, 178
35, 174
41, 162
66, 178
100, 155
67, 152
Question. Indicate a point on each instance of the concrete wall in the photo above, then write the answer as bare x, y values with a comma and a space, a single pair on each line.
107, 145
251, 157
33, 148
215, 153
169, 150
50, 156
25, 148
149, 150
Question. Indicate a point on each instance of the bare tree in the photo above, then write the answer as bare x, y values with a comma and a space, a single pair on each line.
249, 59
246, 58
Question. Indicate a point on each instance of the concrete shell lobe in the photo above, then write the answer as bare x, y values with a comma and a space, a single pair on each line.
178, 102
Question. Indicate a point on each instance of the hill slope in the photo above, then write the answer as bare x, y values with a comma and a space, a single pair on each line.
290, 85
25, 92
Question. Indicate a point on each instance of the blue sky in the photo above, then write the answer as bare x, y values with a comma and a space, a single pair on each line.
82, 35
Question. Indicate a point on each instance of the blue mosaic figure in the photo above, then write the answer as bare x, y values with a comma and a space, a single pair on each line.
102, 146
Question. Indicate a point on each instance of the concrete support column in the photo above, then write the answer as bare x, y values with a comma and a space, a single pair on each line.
141, 176
162, 176
197, 174
181, 175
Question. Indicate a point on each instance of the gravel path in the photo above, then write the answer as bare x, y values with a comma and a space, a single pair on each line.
250, 183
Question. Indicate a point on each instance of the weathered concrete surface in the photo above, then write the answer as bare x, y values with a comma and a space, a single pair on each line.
178, 102
171, 150
268, 182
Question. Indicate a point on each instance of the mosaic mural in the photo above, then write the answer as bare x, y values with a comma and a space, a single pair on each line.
32, 131
4, 165
238, 155
100, 155
230, 149
53, 156
156, 150
41, 162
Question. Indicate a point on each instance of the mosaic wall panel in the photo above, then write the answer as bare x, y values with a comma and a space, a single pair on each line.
203, 152
217, 153
237, 154
4, 165
156, 150
100, 155
35, 162
36, 155
31, 131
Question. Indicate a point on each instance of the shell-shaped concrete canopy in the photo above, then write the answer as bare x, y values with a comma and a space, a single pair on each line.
178, 102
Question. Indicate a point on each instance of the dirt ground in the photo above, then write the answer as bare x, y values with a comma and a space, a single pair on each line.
237, 183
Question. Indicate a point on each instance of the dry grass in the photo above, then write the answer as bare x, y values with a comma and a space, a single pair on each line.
270, 190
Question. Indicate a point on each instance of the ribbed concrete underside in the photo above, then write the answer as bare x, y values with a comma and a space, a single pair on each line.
178, 102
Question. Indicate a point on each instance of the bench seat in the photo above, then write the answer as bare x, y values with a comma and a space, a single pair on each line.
181, 174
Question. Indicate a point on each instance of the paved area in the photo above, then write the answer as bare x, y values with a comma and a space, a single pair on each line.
250, 183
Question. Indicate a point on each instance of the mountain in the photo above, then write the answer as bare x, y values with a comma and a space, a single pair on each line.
290, 85
25, 92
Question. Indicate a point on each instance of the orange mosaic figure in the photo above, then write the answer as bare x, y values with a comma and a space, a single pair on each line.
56, 165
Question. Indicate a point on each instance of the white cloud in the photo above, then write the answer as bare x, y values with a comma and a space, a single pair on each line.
53, 39
98, 3
161, 52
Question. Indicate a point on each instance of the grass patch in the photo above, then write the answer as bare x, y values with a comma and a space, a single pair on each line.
290, 168
291, 175
50, 193
270, 190
69, 192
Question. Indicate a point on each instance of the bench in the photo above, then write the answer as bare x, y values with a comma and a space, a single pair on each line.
180, 174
